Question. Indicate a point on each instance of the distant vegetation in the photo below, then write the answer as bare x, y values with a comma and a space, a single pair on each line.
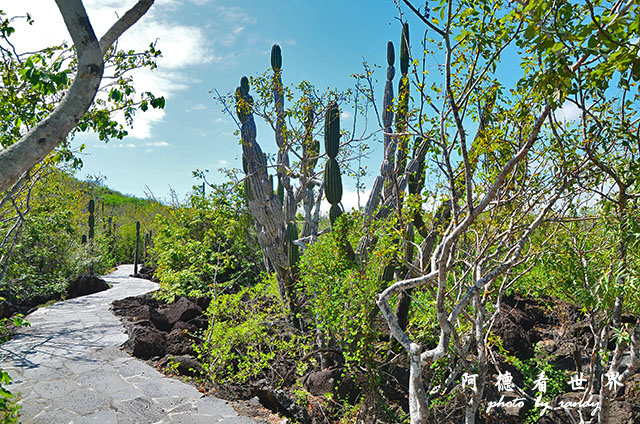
48, 250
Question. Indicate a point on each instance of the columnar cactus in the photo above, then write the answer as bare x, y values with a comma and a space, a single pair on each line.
280, 190
136, 252
332, 178
276, 58
147, 244
310, 146
402, 115
247, 183
416, 182
288, 198
292, 249
310, 154
416, 179
383, 184
263, 203
386, 169
92, 218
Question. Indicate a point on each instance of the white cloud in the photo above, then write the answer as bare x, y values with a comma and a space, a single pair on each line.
345, 115
196, 107
182, 46
149, 144
156, 144
230, 24
568, 112
349, 200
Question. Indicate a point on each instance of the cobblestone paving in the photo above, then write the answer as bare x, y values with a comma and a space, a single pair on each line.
69, 368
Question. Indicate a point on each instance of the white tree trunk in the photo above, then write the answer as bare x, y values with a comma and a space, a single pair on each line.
44, 137
417, 397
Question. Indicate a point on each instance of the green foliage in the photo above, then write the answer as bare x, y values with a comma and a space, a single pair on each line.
34, 83
48, 252
9, 409
247, 337
206, 245
532, 370
341, 292
582, 265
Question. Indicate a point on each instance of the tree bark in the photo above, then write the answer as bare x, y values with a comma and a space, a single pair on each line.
44, 137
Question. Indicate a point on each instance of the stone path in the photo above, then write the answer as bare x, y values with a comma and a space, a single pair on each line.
69, 369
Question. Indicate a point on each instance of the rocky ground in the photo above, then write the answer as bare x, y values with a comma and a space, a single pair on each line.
532, 332
164, 335
68, 366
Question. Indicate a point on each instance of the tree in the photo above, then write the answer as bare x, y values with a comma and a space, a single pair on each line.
40, 140
606, 132
500, 170
500, 185
274, 209
33, 84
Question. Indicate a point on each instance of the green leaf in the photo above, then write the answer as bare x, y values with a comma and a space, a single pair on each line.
115, 95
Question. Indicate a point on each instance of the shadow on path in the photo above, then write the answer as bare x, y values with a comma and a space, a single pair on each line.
69, 368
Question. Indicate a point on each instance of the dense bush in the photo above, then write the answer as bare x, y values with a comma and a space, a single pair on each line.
248, 336
207, 245
48, 251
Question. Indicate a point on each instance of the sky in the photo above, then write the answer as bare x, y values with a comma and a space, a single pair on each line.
211, 44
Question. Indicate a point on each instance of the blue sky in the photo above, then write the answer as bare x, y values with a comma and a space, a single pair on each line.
210, 44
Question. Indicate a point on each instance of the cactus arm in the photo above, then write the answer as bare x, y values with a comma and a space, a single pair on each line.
289, 204
387, 165
402, 116
332, 179
265, 207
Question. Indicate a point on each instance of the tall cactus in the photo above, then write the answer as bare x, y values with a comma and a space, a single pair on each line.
92, 218
310, 153
332, 178
263, 203
147, 244
386, 170
288, 198
292, 249
136, 252
383, 184
402, 116
310, 146
416, 184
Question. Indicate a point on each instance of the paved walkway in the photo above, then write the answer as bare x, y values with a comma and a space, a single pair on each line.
69, 368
